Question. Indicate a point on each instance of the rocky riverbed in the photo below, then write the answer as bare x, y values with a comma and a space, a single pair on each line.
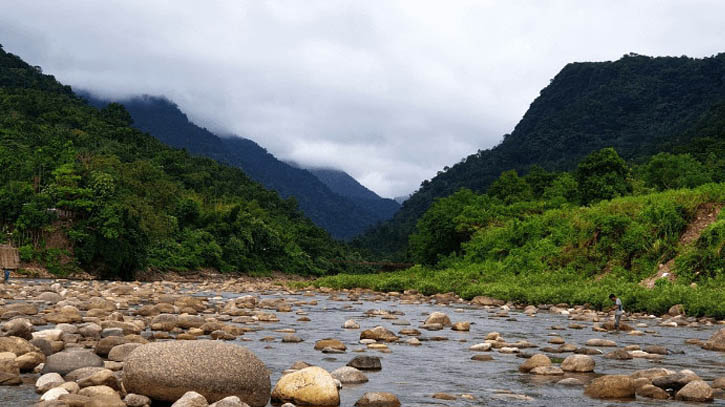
93, 343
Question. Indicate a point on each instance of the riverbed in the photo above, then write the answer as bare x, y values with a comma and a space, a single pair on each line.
442, 363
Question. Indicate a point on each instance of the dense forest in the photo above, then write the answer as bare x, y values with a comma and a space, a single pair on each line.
80, 189
639, 105
329, 198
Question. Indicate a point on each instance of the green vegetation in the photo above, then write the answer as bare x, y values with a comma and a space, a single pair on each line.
542, 246
81, 189
638, 105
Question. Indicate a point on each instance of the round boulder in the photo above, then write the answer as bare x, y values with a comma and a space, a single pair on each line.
578, 364
167, 370
68, 361
349, 375
611, 387
311, 386
696, 390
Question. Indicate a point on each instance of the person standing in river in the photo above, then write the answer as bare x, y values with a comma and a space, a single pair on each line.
618, 310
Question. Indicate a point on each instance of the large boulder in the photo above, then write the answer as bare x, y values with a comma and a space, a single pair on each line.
716, 341
379, 333
611, 387
674, 381
18, 346
578, 364
438, 318
167, 370
311, 386
696, 390
68, 361
20, 327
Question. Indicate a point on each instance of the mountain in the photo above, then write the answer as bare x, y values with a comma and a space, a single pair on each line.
80, 189
636, 104
341, 215
344, 185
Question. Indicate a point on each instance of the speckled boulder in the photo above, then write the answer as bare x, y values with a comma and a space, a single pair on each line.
167, 370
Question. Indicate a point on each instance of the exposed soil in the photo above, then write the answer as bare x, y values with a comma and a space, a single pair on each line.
705, 216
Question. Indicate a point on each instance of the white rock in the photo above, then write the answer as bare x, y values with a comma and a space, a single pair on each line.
53, 394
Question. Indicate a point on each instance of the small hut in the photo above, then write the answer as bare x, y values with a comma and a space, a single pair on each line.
9, 258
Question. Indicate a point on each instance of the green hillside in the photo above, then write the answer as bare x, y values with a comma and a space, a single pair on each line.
637, 104
82, 190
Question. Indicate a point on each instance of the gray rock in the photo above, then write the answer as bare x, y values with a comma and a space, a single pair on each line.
378, 399
366, 363
166, 370
136, 400
191, 399
349, 375
68, 361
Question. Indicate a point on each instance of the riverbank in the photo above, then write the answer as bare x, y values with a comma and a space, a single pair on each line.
705, 299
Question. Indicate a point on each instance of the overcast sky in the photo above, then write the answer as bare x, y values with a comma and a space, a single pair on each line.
389, 91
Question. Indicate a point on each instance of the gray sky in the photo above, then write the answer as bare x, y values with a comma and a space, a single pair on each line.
389, 91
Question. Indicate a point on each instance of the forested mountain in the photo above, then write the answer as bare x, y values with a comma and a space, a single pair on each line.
343, 184
344, 216
639, 105
82, 189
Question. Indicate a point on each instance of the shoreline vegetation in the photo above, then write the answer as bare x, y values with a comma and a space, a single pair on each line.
579, 255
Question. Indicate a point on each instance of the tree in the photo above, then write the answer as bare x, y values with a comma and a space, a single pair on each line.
437, 232
603, 175
670, 171
510, 188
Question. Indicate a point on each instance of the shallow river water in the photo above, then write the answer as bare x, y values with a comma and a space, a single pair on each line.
414, 373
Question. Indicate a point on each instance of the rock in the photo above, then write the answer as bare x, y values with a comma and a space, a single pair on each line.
365, 363
330, 343
578, 364
611, 387
311, 386
44, 346
481, 347
167, 370
18, 346
164, 322
191, 399
29, 361
674, 381
47, 382
119, 353
378, 399
463, 326
231, 401
438, 318
379, 333
716, 341
349, 375
351, 324
20, 327
482, 358
719, 383
53, 394
652, 392
619, 354
600, 342
67, 361
106, 344
79, 374
103, 394
76, 400
102, 377
676, 310
696, 390
443, 396
136, 400
538, 360
547, 371
656, 349
482, 300
290, 338
49, 297
651, 373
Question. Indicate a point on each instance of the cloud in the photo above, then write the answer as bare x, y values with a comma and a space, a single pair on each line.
389, 91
